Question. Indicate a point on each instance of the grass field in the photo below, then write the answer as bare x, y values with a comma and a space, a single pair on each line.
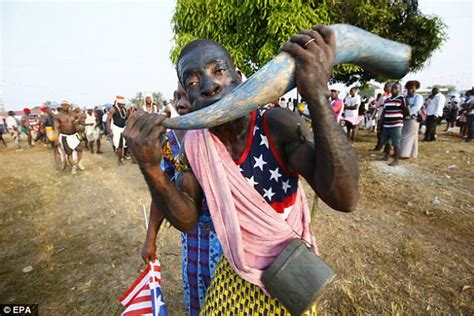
408, 249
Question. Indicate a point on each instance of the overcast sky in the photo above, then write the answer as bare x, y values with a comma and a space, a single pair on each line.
90, 51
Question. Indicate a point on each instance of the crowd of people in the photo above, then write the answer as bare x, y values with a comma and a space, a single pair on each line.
402, 123
397, 118
74, 129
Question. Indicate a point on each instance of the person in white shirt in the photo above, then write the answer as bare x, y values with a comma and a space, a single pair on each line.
92, 130
351, 113
13, 128
435, 111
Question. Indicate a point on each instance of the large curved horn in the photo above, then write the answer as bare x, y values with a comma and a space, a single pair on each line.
353, 45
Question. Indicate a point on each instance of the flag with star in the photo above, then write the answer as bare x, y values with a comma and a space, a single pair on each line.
144, 296
265, 170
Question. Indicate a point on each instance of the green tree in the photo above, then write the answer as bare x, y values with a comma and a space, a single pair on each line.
254, 30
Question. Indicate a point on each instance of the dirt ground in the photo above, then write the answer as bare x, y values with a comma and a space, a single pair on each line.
407, 249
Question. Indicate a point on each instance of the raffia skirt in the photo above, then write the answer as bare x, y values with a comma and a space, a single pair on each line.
229, 294
409, 140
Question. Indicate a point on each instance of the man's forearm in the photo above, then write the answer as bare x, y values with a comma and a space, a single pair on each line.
336, 167
177, 207
156, 219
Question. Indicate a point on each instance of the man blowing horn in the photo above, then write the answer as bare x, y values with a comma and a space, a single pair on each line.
247, 171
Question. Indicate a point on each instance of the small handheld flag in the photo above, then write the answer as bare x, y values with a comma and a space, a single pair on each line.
144, 296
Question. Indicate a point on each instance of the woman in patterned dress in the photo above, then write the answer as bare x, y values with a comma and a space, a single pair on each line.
201, 249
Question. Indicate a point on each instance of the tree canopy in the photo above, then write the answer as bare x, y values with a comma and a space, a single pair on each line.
254, 30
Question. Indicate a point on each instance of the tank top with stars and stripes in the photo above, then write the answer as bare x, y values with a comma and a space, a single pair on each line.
263, 168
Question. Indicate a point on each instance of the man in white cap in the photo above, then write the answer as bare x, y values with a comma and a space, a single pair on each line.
92, 129
65, 123
116, 122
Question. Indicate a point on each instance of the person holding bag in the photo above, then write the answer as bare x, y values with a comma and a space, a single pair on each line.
247, 171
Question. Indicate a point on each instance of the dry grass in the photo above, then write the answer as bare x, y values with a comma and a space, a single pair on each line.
398, 254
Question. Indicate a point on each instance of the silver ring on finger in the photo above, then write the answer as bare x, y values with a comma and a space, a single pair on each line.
307, 43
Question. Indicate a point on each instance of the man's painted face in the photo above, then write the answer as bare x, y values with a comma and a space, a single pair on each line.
65, 107
207, 74
148, 100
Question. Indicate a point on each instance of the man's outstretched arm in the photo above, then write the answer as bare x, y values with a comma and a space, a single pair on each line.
329, 164
179, 206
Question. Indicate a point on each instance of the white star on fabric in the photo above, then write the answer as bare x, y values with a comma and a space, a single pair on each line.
240, 169
286, 185
264, 141
259, 162
159, 302
275, 174
252, 181
268, 193
256, 128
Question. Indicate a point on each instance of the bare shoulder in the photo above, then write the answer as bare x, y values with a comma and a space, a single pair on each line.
286, 126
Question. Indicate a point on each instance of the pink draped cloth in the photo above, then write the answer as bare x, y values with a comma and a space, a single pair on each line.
251, 232
354, 120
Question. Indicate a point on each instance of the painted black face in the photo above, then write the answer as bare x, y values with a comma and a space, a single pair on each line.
207, 74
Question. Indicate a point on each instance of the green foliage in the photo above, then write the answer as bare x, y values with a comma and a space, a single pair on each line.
254, 30
396, 20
